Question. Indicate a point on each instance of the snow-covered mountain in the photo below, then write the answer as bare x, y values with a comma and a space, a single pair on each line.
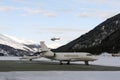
17, 44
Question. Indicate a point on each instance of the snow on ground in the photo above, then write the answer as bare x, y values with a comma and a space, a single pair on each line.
104, 59
107, 61
18, 58
60, 75
9, 58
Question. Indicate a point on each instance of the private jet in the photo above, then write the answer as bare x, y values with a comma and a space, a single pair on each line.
63, 56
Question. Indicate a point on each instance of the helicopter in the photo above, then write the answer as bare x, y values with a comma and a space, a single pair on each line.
55, 38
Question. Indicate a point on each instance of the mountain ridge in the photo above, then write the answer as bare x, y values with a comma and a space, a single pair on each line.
93, 40
12, 45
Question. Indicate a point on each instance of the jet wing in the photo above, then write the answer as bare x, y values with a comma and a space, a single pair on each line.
30, 57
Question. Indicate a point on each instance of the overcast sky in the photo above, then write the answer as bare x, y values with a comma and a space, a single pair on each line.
43, 19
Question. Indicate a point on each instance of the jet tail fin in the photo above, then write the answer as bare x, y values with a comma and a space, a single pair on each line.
46, 52
43, 46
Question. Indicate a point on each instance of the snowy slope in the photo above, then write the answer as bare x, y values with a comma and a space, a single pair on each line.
107, 60
16, 43
19, 40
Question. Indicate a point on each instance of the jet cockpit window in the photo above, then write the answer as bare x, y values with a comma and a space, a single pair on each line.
89, 54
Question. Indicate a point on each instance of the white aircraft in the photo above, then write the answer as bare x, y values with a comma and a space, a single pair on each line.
82, 56
63, 56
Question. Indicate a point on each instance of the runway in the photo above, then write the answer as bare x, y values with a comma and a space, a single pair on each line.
18, 65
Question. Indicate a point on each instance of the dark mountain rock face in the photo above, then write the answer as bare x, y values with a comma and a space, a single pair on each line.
112, 43
103, 38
